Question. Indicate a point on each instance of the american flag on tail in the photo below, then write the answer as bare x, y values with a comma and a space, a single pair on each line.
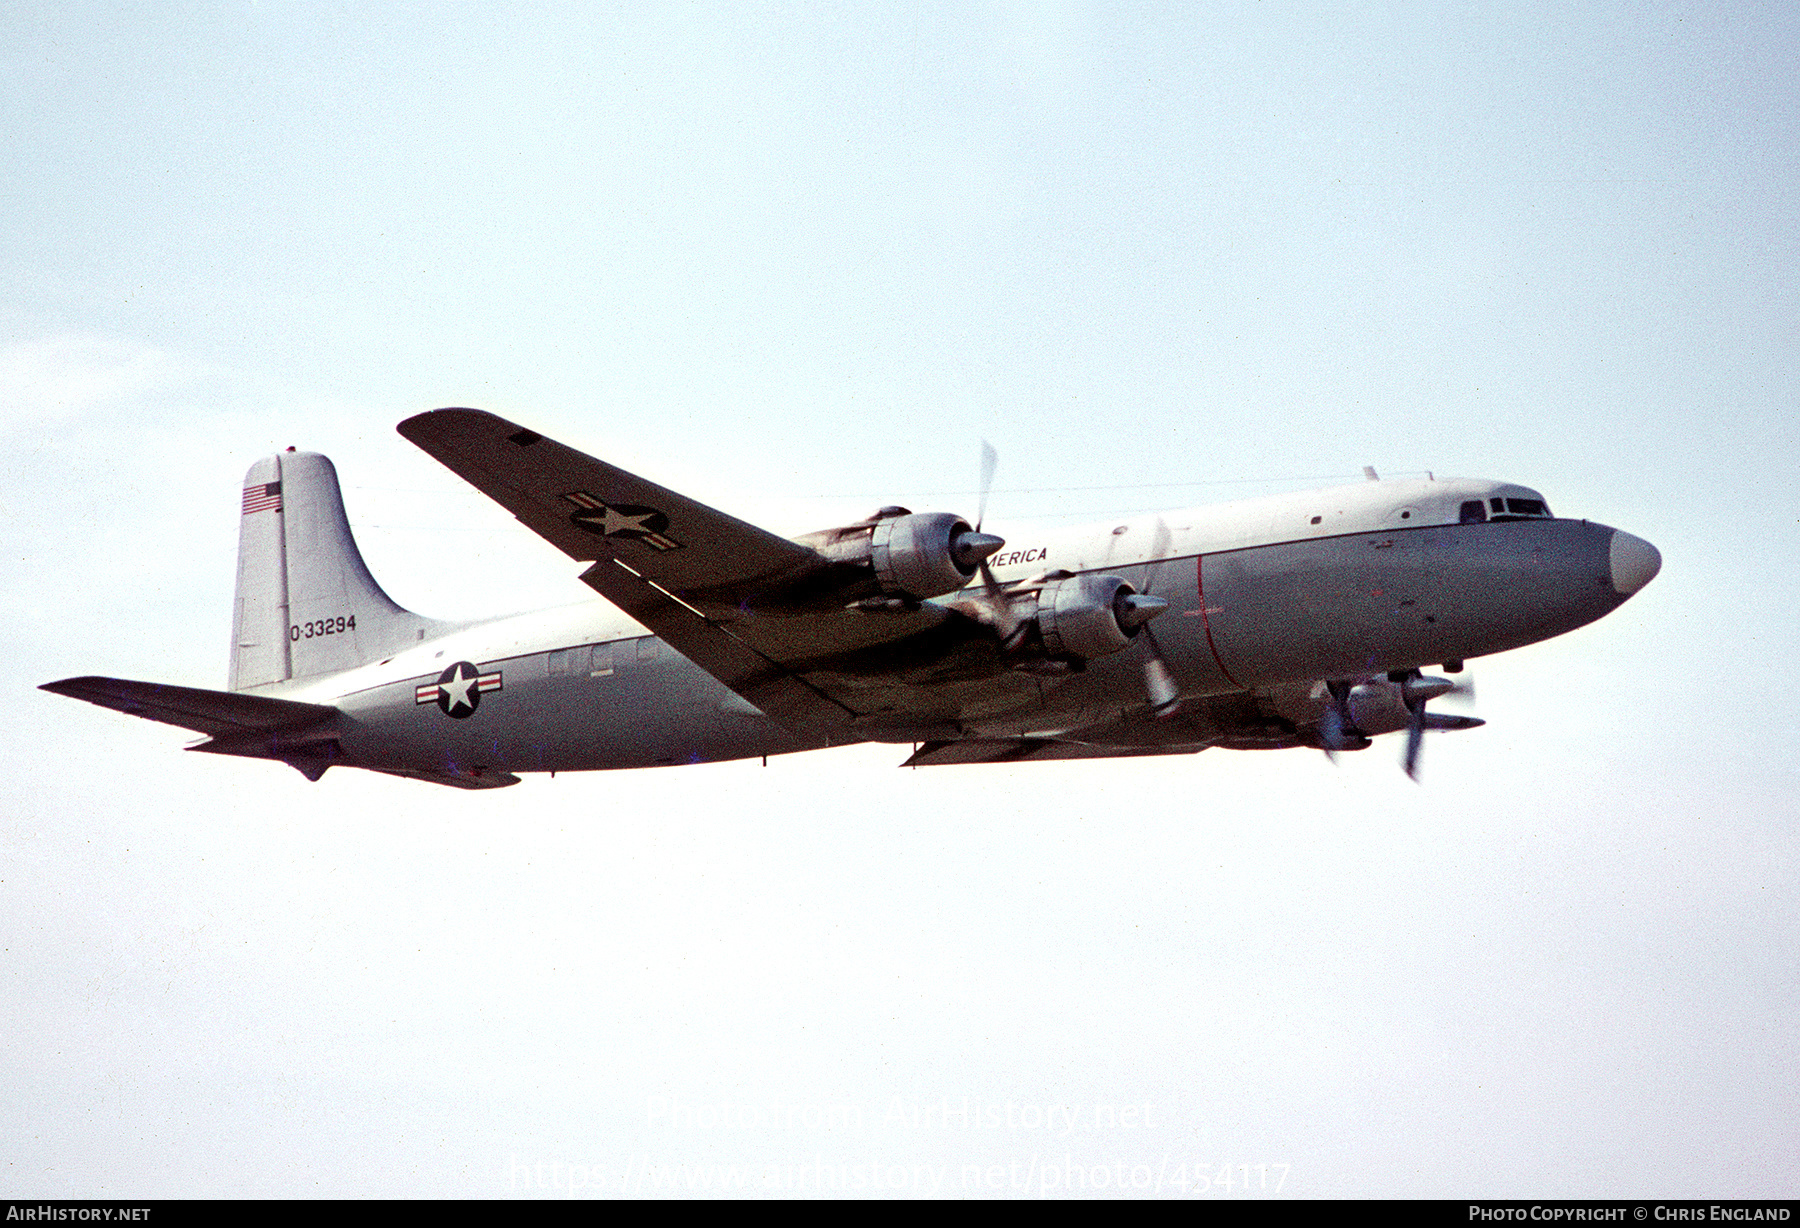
263, 497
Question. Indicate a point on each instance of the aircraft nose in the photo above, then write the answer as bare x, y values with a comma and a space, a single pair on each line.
1635, 563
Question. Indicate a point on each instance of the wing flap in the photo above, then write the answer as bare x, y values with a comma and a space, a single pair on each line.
1016, 750
470, 778
781, 695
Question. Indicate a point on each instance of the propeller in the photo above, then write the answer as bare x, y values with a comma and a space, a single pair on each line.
990, 461
1337, 729
1403, 694
1416, 691
1159, 680
1414, 697
1006, 622
1133, 610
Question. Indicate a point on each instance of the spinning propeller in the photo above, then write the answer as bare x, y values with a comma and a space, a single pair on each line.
1131, 609
1415, 691
1005, 621
1159, 679
1354, 710
1337, 728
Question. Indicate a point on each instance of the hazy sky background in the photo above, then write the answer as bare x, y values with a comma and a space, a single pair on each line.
796, 261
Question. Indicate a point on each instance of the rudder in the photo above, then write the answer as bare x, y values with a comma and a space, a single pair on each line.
306, 603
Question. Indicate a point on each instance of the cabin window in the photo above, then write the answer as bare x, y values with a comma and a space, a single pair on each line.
1473, 512
600, 661
589, 660
1316, 519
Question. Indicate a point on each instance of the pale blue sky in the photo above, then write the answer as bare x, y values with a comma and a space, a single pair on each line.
796, 261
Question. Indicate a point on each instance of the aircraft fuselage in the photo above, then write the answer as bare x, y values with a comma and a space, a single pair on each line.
1284, 592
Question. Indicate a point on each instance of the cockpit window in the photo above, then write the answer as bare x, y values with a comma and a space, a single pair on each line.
1518, 509
1473, 512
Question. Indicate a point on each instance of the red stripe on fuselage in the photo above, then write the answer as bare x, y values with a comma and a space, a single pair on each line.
1206, 621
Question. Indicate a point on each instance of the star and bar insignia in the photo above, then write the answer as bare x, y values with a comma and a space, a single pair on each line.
458, 690
603, 519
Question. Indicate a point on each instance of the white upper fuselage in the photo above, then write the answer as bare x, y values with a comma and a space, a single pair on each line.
1362, 507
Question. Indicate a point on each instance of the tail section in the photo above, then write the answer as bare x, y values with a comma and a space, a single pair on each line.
306, 603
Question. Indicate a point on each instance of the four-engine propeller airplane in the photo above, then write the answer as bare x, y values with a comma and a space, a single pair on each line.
1295, 620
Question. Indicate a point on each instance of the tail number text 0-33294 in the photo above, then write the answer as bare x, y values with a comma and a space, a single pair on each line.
322, 626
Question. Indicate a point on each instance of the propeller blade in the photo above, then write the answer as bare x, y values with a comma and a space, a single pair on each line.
999, 608
1337, 728
990, 461
1331, 728
1160, 687
1331, 731
979, 550
1415, 728
1159, 547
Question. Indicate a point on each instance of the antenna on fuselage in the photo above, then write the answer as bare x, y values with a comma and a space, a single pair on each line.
1369, 472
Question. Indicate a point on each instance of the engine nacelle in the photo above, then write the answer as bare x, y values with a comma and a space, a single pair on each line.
897, 556
1089, 616
916, 555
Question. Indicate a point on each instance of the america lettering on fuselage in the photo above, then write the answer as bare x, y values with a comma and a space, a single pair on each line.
1009, 558
1296, 620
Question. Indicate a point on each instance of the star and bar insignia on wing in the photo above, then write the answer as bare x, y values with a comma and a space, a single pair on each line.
458, 690
603, 519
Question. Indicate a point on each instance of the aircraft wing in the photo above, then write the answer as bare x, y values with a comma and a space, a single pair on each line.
715, 588
591, 510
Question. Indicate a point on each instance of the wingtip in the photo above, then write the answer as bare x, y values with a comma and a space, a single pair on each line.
435, 414
457, 426
68, 686
414, 425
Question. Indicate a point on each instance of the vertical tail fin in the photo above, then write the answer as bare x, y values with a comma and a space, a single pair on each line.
306, 603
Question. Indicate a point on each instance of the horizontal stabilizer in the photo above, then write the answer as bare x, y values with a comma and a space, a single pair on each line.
221, 714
